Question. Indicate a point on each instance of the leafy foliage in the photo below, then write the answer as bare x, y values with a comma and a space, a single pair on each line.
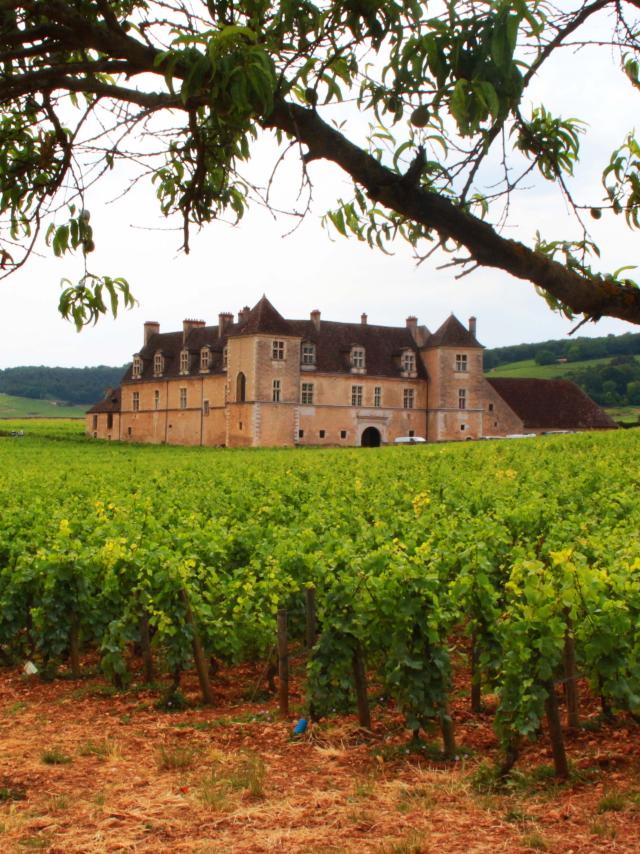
184, 93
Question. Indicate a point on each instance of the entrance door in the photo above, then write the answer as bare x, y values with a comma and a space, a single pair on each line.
371, 438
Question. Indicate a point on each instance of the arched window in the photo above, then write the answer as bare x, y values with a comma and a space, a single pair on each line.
136, 369
241, 388
158, 364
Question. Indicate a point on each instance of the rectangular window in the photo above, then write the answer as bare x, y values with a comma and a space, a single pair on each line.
158, 365
300, 434
461, 362
204, 359
183, 398
277, 350
184, 361
357, 357
110, 421
95, 422
356, 395
412, 432
408, 399
225, 358
377, 396
462, 398
321, 433
408, 362
135, 402
308, 354
306, 396
275, 391
136, 371
343, 434
205, 407
491, 407
156, 399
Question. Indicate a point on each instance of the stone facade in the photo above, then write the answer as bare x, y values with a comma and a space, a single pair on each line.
266, 381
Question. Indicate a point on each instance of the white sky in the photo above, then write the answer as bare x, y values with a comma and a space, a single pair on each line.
230, 267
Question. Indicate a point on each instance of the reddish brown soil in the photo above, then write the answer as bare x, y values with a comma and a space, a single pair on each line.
232, 779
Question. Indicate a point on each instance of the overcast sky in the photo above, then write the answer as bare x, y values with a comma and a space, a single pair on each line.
232, 267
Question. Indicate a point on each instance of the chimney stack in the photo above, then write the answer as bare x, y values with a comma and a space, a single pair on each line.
472, 326
243, 314
412, 326
363, 319
188, 325
151, 327
315, 319
225, 319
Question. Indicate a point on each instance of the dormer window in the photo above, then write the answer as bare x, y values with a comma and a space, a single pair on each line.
225, 358
308, 353
357, 358
184, 361
136, 368
205, 358
158, 365
408, 362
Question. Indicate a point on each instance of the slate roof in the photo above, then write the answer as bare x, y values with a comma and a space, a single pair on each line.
383, 344
264, 318
452, 334
110, 403
551, 404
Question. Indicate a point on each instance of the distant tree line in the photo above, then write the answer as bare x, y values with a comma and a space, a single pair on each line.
571, 349
69, 385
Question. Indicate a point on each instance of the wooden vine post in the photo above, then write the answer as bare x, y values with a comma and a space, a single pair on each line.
74, 647
145, 646
555, 733
283, 662
200, 659
571, 678
360, 682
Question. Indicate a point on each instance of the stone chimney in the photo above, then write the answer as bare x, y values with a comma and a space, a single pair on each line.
363, 319
315, 319
188, 325
151, 327
472, 326
412, 326
243, 314
225, 319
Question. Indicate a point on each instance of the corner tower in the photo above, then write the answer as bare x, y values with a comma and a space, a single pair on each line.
453, 359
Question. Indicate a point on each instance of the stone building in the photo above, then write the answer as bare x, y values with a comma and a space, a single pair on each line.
262, 380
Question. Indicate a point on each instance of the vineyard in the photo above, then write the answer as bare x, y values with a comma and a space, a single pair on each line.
521, 559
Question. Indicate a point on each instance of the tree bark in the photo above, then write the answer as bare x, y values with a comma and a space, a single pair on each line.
571, 679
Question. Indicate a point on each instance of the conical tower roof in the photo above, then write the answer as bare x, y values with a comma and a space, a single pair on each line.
453, 334
264, 318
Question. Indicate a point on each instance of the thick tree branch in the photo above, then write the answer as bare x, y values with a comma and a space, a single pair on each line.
593, 297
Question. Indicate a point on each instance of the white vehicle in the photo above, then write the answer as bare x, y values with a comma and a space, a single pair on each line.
409, 440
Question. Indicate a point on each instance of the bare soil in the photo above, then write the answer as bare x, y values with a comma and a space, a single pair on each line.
87, 769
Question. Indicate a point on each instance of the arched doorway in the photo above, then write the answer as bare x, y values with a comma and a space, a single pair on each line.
371, 438
241, 388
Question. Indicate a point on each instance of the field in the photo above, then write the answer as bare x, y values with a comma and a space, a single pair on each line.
26, 407
473, 683
529, 368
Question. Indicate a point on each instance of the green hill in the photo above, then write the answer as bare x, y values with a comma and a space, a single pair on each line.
25, 407
563, 370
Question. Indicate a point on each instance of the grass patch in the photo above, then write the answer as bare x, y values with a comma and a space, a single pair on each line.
175, 758
55, 757
249, 775
534, 840
603, 830
12, 793
411, 844
613, 802
103, 749
14, 709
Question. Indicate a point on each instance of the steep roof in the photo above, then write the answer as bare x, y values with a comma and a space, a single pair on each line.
383, 346
452, 334
264, 318
109, 403
551, 404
